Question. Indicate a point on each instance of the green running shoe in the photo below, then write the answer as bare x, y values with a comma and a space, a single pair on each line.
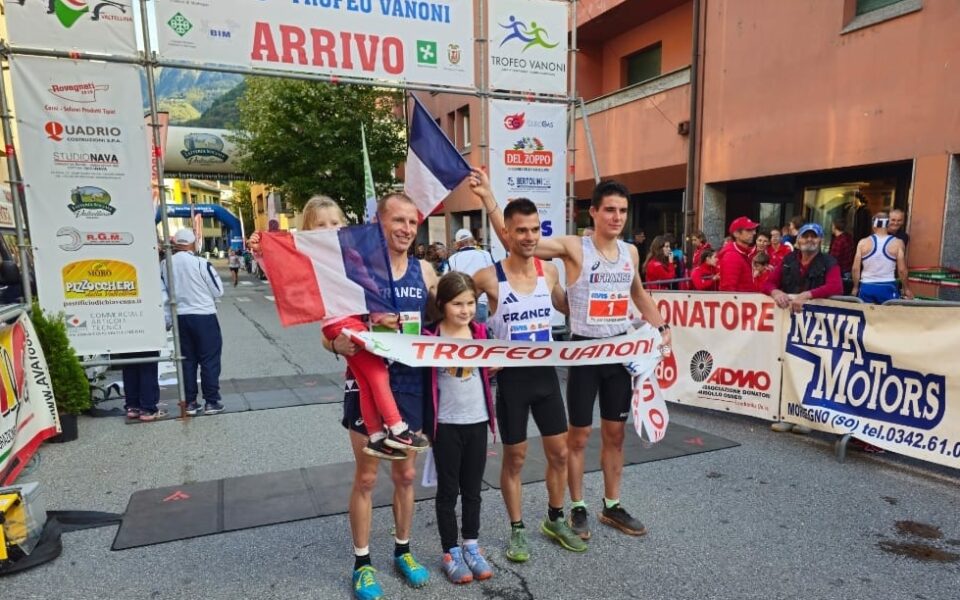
517, 550
563, 535
365, 584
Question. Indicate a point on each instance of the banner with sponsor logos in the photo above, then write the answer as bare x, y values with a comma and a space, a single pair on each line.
885, 374
528, 46
638, 351
28, 412
528, 156
414, 41
96, 26
86, 167
725, 352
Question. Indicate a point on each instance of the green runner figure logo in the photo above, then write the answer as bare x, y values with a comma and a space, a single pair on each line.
533, 36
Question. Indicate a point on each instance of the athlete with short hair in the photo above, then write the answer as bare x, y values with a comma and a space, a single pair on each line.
601, 273
523, 292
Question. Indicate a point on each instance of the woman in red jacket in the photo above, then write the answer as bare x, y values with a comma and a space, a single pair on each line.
659, 265
706, 276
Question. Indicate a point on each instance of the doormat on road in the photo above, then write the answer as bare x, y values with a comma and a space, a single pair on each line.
679, 441
206, 507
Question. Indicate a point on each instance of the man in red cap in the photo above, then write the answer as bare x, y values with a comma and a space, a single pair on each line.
736, 271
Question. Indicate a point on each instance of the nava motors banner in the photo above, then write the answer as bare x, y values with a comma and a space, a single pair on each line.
28, 412
528, 156
86, 169
887, 375
725, 352
413, 41
96, 26
527, 49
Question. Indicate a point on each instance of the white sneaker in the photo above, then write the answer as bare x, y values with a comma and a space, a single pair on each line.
782, 427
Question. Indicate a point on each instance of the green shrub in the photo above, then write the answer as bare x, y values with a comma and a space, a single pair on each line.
70, 387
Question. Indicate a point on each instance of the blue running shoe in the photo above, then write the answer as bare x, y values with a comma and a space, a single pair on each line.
455, 568
365, 584
478, 564
416, 574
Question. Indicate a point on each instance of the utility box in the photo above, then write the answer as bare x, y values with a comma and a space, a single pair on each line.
22, 517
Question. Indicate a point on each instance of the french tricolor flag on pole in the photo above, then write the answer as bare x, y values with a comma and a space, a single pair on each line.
434, 166
328, 273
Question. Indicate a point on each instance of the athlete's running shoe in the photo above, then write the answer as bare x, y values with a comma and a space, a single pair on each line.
380, 449
365, 584
478, 564
193, 409
517, 549
212, 408
407, 440
416, 574
578, 522
561, 533
619, 518
455, 568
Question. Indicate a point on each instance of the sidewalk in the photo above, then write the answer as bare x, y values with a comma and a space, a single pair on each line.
777, 517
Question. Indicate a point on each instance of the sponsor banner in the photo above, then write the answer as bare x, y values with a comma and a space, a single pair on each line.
88, 194
28, 412
725, 352
857, 369
528, 156
638, 351
193, 150
97, 26
528, 46
414, 41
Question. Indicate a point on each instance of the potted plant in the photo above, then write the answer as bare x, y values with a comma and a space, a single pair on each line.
67, 377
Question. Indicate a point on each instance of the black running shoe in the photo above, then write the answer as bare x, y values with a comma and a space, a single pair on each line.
620, 519
578, 522
407, 440
380, 449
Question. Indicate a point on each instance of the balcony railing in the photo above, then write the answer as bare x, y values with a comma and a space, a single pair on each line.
637, 91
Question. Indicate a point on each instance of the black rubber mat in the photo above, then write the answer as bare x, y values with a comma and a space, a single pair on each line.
196, 509
679, 441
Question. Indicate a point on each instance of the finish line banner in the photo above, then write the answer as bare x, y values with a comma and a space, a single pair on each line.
637, 350
28, 413
887, 375
413, 41
726, 350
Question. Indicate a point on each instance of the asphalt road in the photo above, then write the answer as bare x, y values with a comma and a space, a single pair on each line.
776, 517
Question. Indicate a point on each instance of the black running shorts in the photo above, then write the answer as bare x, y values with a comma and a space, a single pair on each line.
525, 390
612, 382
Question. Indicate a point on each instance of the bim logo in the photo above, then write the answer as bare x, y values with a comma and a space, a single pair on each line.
532, 35
848, 379
513, 122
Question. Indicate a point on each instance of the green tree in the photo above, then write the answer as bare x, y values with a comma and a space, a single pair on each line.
304, 138
243, 202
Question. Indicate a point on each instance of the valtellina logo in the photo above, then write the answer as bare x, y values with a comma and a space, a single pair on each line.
68, 12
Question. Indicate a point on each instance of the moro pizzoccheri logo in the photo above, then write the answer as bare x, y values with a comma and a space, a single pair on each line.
851, 380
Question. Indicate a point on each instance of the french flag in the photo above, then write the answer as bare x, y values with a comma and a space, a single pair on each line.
434, 166
328, 273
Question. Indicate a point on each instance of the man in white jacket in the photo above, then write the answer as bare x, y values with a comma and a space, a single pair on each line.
197, 286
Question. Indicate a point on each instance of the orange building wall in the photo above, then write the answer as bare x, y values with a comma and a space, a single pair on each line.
819, 99
927, 210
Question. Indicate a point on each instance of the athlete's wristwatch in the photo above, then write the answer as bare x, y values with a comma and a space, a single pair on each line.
663, 327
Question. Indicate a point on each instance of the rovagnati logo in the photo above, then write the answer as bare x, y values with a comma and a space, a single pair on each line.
84, 93
532, 35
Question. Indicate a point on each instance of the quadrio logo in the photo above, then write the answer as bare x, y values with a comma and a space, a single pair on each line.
529, 35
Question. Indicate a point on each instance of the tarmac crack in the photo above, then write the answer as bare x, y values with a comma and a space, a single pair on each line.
511, 593
272, 340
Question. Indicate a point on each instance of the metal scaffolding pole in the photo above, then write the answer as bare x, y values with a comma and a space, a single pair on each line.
484, 108
572, 131
165, 226
15, 189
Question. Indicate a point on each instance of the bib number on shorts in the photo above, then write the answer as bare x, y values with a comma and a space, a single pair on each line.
530, 332
607, 308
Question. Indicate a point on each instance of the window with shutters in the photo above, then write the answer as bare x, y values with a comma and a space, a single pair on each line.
643, 65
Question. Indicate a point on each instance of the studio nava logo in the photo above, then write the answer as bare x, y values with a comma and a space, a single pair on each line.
849, 379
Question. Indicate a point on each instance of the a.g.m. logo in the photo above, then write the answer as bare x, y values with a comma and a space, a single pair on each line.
13, 344
849, 379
